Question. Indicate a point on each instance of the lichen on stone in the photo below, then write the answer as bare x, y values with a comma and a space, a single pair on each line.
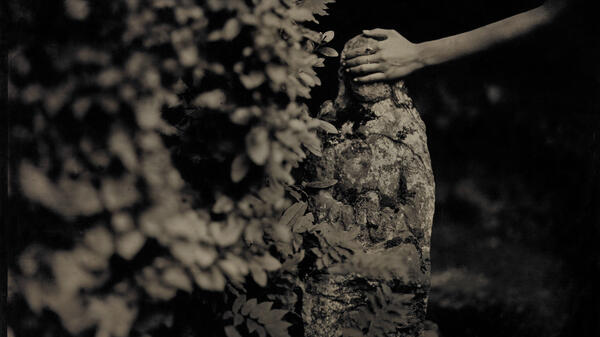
385, 191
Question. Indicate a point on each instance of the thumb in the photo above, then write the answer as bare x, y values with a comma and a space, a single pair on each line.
377, 33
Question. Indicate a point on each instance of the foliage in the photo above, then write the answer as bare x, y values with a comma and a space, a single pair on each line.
390, 309
257, 317
156, 140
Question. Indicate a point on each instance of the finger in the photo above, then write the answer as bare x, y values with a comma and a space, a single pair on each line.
377, 33
360, 51
371, 78
361, 60
365, 68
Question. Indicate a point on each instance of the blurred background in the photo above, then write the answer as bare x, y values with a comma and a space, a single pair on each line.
514, 136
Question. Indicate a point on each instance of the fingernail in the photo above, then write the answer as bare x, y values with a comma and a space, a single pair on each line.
355, 80
347, 70
343, 63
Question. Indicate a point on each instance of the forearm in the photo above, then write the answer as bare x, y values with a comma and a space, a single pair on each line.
452, 47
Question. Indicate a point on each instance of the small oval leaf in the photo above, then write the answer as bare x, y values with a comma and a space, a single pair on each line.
257, 145
230, 331
328, 51
328, 127
328, 36
239, 168
322, 184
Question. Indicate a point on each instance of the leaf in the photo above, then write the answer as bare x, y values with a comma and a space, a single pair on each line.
304, 223
100, 240
301, 14
109, 77
121, 145
316, 251
147, 113
226, 235
258, 274
314, 148
223, 204
261, 309
327, 127
118, 194
387, 291
307, 79
214, 99
234, 267
282, 236
258, 145
212, 279
239, 168
291, 264
318, 7
249, 305
194, 253
254, 233
230, 331
238, 319
176, 277
328, 36
129, 244
277, 74
252, 80
252, 325
295, 195
322, 184
77, 9
261, 331
293, 212
269, 262
188, 56
272, 316
327, 51
278, 329
312, 36
237, 304
231, 29
241, 116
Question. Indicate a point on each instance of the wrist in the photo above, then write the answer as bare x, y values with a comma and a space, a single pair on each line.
428, 53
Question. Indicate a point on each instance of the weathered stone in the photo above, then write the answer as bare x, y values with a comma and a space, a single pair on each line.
385, 191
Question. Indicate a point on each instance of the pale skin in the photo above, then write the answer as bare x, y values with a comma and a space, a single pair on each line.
393, 56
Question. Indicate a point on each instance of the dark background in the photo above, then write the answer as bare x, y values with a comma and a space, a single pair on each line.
514, 136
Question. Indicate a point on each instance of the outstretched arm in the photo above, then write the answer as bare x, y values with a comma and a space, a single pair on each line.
394, 56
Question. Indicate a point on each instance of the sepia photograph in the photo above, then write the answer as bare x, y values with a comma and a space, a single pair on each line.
300, 168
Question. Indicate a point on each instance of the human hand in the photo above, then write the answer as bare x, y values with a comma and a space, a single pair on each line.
391, 58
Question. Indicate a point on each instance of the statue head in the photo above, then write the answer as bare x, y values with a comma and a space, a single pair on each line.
365, 92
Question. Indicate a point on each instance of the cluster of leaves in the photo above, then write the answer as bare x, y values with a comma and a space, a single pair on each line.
385, 313
257, 317
156, 139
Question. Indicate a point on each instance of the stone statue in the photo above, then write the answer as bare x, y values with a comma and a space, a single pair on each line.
385, 189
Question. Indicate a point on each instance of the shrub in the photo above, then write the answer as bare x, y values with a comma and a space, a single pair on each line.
154, 141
